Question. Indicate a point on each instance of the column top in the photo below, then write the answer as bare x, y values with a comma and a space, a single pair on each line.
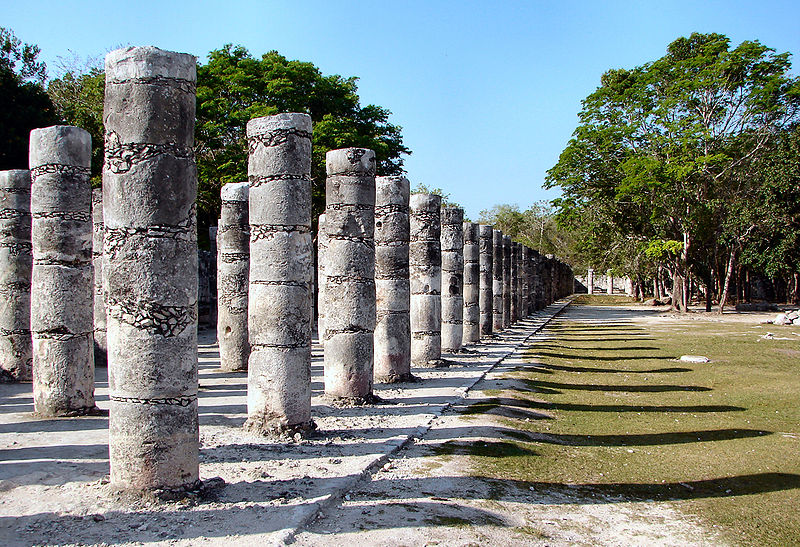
132, 63
60, 145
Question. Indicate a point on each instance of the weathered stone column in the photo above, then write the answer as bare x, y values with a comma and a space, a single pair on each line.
16, 354
590, 281
497, 280
280, 293
486, 287
472, 313
514, 310
150, 267
425, 263
506, 281
350, 273
392, 290
62, 299
233, 277
609, 282
98, 232
213, 274
452, 240
525, 279
322, 250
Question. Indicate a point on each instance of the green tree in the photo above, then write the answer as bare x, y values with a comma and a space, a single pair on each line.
234, 87
26, 106
660, 145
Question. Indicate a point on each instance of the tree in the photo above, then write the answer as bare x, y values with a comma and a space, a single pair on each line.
26, 106
234, 87
661, 146
535, 227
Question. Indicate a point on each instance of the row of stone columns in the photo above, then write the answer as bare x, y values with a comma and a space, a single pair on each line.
417, 254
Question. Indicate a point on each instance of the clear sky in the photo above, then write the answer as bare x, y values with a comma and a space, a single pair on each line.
487, 92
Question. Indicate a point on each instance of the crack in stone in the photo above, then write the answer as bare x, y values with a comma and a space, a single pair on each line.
258, 180
185, 400
275, 137
120, 157
264, 231
79, 216
181, 84
74, 172
154, 318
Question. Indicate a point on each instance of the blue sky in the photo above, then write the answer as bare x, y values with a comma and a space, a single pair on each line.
487, 93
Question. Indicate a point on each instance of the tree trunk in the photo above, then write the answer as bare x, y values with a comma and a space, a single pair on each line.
728, 271
677, 290
709, 285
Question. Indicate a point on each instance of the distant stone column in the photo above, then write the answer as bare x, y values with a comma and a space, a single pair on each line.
525, 280
472, 314
62, 291
452, 240
322, 253
514, 282
497, 280
486, 286
98, 232
213, 275
590, 281
279, 303
16, 354
151, 267
609, 282
350, 273
629, 287
507, 261
233, 277
425, 264
392, 290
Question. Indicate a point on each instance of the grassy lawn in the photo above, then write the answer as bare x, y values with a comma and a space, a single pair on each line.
607, 412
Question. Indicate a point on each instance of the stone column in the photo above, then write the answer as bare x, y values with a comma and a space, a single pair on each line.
425, 264
590, 281
62, 291
213, 274
392, 290
452, 240
279, 303
514, 282
472, 313
98, 232
525, 280
350, 274
497, 280
486, 297
322, 250
507, 260
609, 282
233, 277
16, 354
150, 263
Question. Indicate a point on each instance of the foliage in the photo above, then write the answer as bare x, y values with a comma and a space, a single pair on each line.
535, 227
447, 201
667, 151
25, 105
234, 87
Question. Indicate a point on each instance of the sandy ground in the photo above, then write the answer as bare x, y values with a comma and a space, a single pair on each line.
370, 474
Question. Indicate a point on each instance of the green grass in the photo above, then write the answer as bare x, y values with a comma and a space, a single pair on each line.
620, 419
604, 300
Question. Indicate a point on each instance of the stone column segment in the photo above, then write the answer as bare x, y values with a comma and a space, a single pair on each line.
150, 264
486, 285
507, 260
609, 282
452, 239
16, 354
233, 276
497, 280
514, 308
62, 299
98, 232
472, 313
590, 281
425, 264
350, 273
322, 250
392, 290
525, 280
279, 303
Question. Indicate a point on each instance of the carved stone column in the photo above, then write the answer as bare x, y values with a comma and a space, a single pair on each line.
486, 263
151, 267
350, 273
425, 258
497, 280
16, 354
507, 296
452, 240
62, 300
472, 312
233, 277
393, 293
279, 304
98, 232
